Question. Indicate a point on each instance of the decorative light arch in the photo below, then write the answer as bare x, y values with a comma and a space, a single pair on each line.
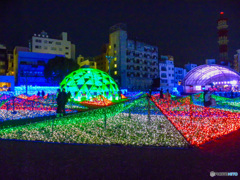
207, 74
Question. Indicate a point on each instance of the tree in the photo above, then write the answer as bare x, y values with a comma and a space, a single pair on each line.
59, 67
155, 83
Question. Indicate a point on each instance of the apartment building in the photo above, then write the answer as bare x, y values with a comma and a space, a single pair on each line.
133, 64
42, 43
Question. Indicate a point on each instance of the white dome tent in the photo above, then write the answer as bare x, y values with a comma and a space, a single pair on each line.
206, 76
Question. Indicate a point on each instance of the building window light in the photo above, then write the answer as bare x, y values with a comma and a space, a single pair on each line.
109, 46
115, 72
115, 65
115, 59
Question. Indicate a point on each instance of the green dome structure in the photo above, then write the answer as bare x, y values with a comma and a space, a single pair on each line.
85, 84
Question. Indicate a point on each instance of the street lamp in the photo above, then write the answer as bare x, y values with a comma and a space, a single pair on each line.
109, 58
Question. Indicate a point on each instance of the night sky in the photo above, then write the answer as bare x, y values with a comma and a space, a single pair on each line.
185, 29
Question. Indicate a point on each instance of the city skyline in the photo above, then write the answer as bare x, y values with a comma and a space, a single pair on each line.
186, 30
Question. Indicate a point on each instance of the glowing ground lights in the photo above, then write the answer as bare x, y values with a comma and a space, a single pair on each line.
198, 124
22, 106
129, 123
122, 128
229, 104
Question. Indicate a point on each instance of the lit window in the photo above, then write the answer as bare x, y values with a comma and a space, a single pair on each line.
115, 65
115, 72
109, 47
115, 52
115, 59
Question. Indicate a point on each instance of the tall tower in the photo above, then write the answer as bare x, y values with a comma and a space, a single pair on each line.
223, 40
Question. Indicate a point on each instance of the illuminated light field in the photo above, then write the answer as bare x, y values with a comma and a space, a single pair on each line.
22, 106
198, 124
88, 128
192, 123
229, 104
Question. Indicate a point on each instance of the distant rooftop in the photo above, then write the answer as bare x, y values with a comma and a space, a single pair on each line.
119, 26
42, 34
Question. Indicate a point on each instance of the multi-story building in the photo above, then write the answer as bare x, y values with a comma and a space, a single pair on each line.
237, 61
133, 64
15, 59
7, 83
166, 72
3, 60
189, 66
29, 67
179, 74
101, 60
41, 43
10, 71
210, 61
86, 62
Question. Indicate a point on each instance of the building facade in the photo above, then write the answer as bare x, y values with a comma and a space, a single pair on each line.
3, 60
133, 64
210, 61
41, 43
16, 50
102, 62
86, 62
10, 71
7, 83
179, 74
237, 61
189, 66
166, 72
30, 68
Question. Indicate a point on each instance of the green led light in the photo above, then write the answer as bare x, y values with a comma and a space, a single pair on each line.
87, 83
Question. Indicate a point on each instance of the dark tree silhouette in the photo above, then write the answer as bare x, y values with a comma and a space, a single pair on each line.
155, 83
59, 67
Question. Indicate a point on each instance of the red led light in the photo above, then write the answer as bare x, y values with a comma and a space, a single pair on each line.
221, 12
198, 124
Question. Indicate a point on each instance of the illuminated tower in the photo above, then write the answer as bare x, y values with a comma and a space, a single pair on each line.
223, 40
